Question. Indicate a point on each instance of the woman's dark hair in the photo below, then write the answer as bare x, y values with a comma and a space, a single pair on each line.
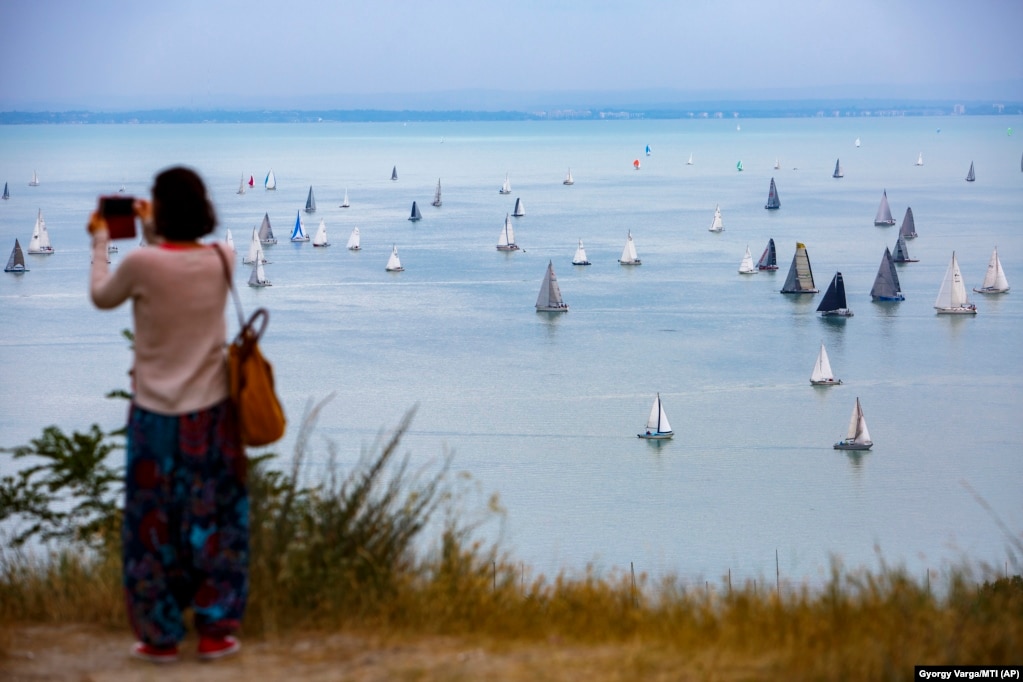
181, 209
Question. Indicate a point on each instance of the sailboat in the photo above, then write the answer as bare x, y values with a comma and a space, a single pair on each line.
519, 209
834, 304
635, 164
415, 215
394, 173
629, 256
580, 255
270, 182
40, 242
648, 150
908, 227
7, 193
690, 161
506, 187
746, 267
241, 186
228, 239
994, 280
901, 254
393, 263
920, 159
738, 166
258, 277
971, 176
310, 201
857, 437
353, 240
952, 295
769, 258
266, 233
777, 163
822, 374
884, 213
657, 426
298, 232
568, 178
716, 224
345, 203
857, 143
549, 299
773, 202
16, 263
252, 181
320, 238
838, 169
255, 249
34, 182
506, 241
886, 283
436, 195
800, 277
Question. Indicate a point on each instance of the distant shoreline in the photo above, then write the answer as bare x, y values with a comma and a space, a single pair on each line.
709, 110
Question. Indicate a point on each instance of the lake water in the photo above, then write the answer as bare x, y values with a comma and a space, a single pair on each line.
544, 410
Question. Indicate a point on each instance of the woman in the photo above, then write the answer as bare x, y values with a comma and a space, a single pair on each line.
185, 530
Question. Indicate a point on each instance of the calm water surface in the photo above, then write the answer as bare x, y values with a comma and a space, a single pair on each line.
543, 410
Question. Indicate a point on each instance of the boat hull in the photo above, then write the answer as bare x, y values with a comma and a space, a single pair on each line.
826, 382
767, 267
884, 223
630, 262
581, 262
992, 290
959, 310
509, 247
845, 445
890, 298
549, 309
659, 435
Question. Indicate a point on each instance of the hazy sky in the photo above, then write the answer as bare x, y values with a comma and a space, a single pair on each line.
197, 53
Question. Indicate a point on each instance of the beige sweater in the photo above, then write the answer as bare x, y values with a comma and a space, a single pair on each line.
178, 296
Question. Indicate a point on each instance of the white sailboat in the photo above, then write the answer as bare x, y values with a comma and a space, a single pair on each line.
549, 299
229, 240
258, 277
716, 224
994, 279
747, 267
270, 182
580, 255
310, 201
629, 256
255, 249
568, 178
436, 195
920, 159
320, 238
241, 186
40, 242
520, 209
506, 187
394, 263
34, 182
822, 375
345, 203
952, 295
690, 161
777, 164
16, 263
857, 437
657, 426
506, 240
857, 143
353, 240
298, 232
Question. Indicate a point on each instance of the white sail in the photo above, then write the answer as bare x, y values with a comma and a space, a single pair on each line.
229, 240
857, 436
271, 180
241, 186
690, 161
580, 255
345, 203
320, 238
255, 250
549, 299
952, 295
717, 224
40, 242
520, 209
393, 263
34, 182
258, 278
298, 232
506, 240
822, 375
436, 194
920, 159
353, 240
747, 267
506, 187
629, 256
568, 178
995, 281
657, 426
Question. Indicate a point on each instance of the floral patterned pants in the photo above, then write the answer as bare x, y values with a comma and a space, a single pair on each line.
185, 538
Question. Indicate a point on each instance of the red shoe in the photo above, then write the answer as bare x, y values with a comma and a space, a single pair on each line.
154, 654
212, 648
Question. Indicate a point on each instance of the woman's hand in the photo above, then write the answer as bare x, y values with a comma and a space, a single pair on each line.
144, 210
96, 223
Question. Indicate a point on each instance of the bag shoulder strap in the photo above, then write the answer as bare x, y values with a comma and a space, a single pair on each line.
230, 285
262, 315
